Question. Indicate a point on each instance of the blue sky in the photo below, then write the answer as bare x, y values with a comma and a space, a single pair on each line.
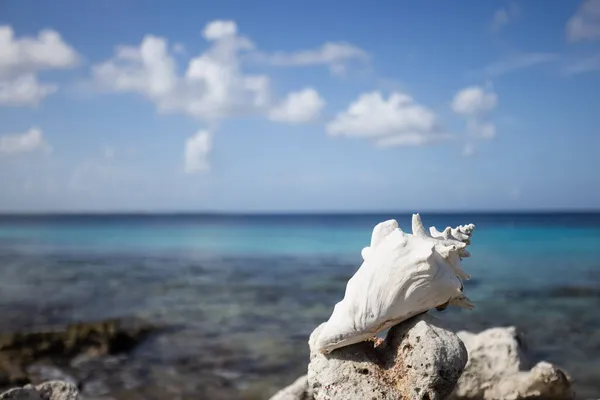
288, 106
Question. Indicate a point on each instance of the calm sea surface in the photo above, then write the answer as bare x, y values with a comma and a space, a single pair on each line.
243, 293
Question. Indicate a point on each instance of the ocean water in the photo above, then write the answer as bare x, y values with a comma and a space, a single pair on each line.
240, 294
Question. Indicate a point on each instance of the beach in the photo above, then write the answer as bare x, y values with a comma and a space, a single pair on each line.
237, 296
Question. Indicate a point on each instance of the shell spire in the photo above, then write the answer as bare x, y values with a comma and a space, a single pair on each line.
417, 226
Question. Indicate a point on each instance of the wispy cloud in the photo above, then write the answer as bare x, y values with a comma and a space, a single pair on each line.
582, 65
335, 55
518, 62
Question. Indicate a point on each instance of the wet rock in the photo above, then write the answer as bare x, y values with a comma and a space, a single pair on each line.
20, 350
498, 369
51, 390
28, 393
39, 373
417, 360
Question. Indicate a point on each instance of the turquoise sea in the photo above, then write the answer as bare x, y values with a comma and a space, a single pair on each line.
241, 293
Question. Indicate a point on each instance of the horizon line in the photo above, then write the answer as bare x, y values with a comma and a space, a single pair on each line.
287, 213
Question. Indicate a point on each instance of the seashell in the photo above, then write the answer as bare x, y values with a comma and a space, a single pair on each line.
402, 275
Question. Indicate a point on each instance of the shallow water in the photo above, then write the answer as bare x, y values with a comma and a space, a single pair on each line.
243, 293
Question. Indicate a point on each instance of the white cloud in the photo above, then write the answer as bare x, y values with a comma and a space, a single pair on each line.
473, 100
197, 149
410, 139
298, 107
46, 51
335, 55
585, 24
395, 121
212, 88
24, 90
504, 16
517, 62
22, 58
219, 29
17, 143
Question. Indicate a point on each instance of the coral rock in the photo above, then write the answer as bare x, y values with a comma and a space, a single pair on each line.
417, 360
296, 391
51, 390
498, 370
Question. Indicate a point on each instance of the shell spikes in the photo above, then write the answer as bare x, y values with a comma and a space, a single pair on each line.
402, 275
417, 226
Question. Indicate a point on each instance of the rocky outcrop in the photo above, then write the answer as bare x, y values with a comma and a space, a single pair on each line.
498, 369
52, 390
417, 360
20, 350
420, 360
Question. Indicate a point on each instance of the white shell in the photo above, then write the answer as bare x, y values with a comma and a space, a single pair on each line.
402, 275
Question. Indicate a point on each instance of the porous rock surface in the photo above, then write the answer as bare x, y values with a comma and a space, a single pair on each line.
417, 360
498, 369
296, 391
51, 390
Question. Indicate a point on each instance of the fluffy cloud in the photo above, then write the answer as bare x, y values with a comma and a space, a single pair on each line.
213, 86
27, 54
197, 149
505, 15
16, 143
24, 90
473, 100
585, 24
298, 107
395, 121
474, 103
22, 58
335, 55
219, 29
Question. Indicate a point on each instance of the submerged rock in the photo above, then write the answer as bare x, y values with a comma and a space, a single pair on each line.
417, 360
498, 370
555, 292
59, 345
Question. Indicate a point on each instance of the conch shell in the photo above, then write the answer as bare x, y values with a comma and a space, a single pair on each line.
402, 275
